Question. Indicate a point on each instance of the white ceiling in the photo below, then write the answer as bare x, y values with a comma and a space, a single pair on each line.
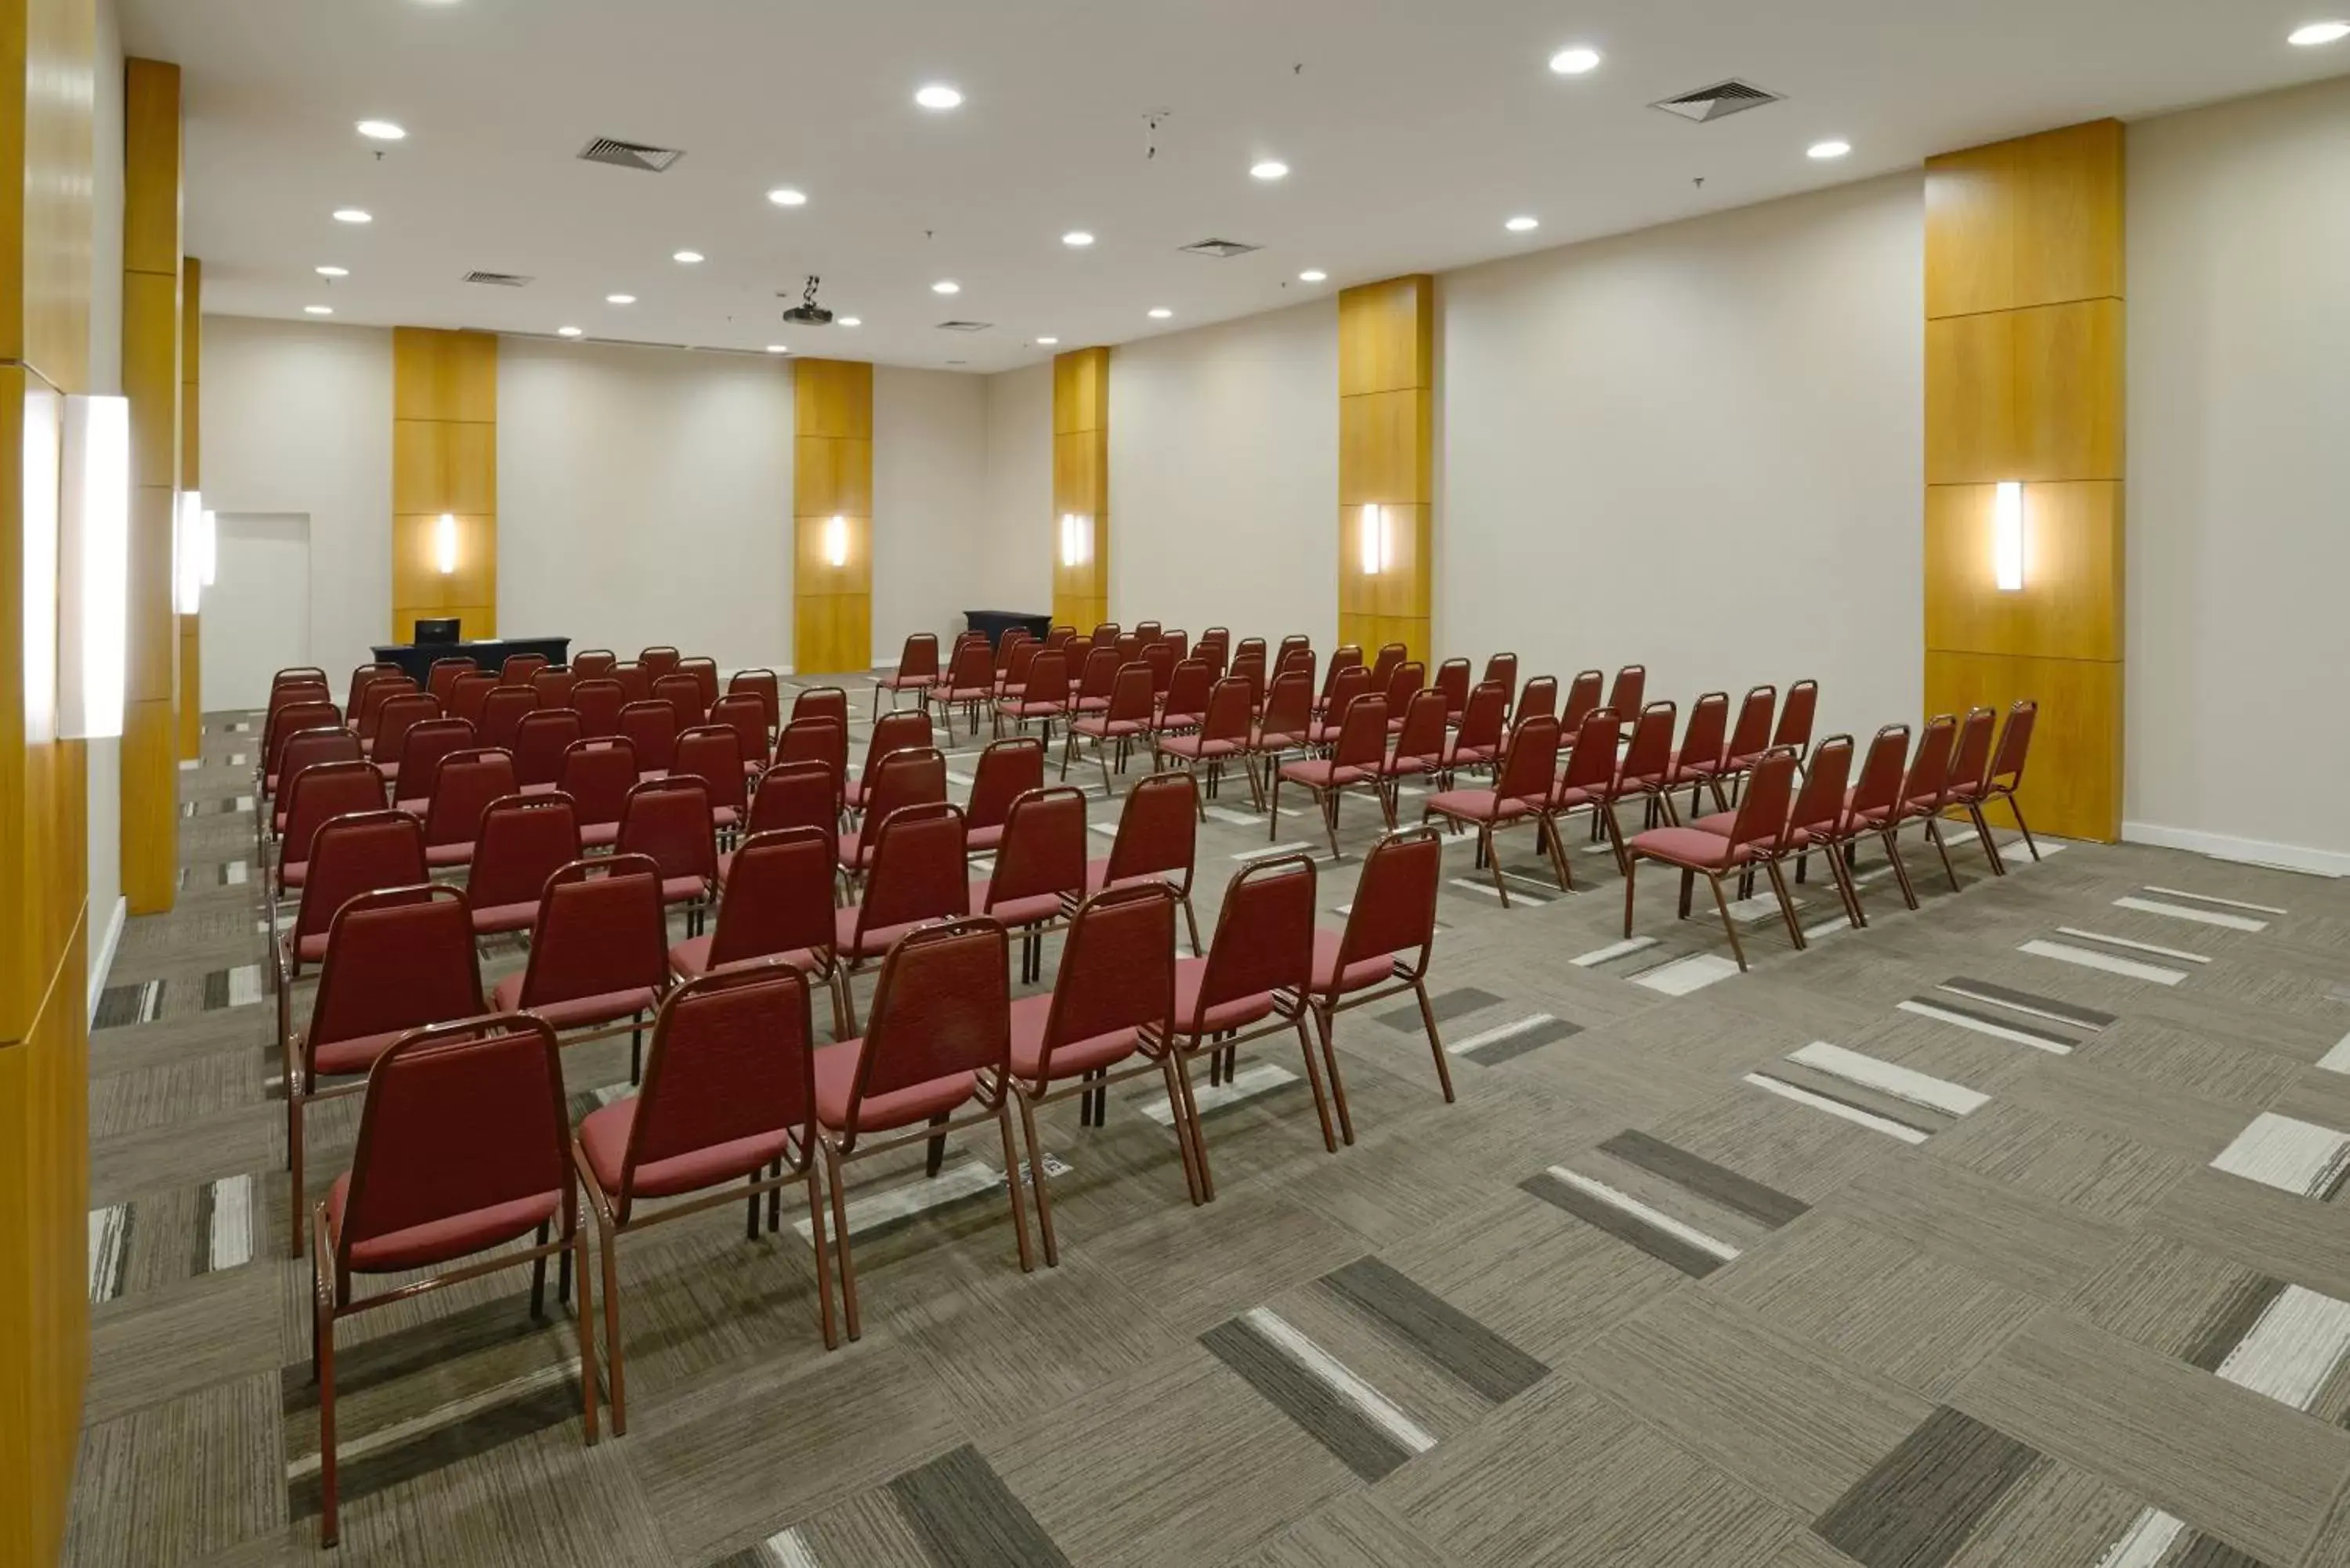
1413, 129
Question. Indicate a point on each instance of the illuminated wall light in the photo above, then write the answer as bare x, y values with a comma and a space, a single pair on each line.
187, 553
92, 587
1371, 536
836, 542
208, 549
1076, 539
445, 545
2007, 540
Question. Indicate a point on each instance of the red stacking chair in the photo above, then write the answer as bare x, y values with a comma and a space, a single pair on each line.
1300, 661
777, 909
821, 702
761, 684
1504, 667
650, 730
599, 703
917, 777
1296, 642
659, 660
375, 694
1248, 646
969, 683
1044, 696
539, 743
705, 680
1587, 781
598, 954
917, 672
412, 769
1008, 769
1384, 662
502, 712
464, 785
1148, 630
1126, 719
935, 1057
1039, 874
1796, 719
598, 775
1254, 983
396, 959
1816, 823
1758, 835
594, 663
1923, 790
1477, 744
1403, 681
523, 839
552, 688
682, 692
1104, 633
519, 668
491, 1088
304, 749
1160, 658
1012, 661
904, 731
636, 682
398, 715
1385, 948
805, 795
1643, 773
668, 821
919, 878
1540, 699
360, 678
350, 854
1583, 698
1873, 806
1287, 721
1096, 679
1749, 738
443, 674
1185, 697
712, 753
1222, 737
1699, 758
1250, 672
1353, 763
1158, 840
1107, 1018
742, 712
1214, 651
2007, 766
317, 794
1520, 794
282, 725
1420, 746
821, 740
1630, 685
1452, 680
1971, 776
729, 1096
1345, 687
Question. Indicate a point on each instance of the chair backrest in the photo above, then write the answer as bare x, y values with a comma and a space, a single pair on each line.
598, 702
1971, 763
900, 732
1504, 667
1481, 720
502, 712
1527, 765
1288, 708
1345, 686
1158, 658
651, 728
762, 685
705, 678
742, 712
659, 660
601, 928
598, 775
1249, 670
1651, 752
1019, 652
1249, 645
1008, 770
1147, 629
917, 868
540, 740
308, 712
1300, 660
1230, 705
397, 957
1129, 649
297, 676
1157, 831
360, 678
421, 750
1582, 697
1631, 684
1106, 632
1116, 970
1819, 804
916, 777
469, 694
1362, 734
552, 688
713, 753
732, 1059
1394, 909
319, 793
1187, 692
375, 695
1796, 719
523, 840
1751, 734
1453, 683
1130, 695
443, 674
1293, 642
1345, 655
971, 670
1058, 636
1044, 849
1879, 785
636, 682
519, 668
1214, 652
1100, 674
805, 794
1929, 782
821, 702
682, 692
1539, 700
309, 748
818, 739
1764, 810
1264, 936
458, 1118
357, 853
778, 897
593, 664
1384, 663
1708, 728
1592, 764
2014, 744
464, 785
942, 1006
1424, 718
920, 658
668, 820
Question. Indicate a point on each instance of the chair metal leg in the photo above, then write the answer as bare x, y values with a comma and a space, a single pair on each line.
538, 1275
1314, 1081
1012, 1185
1435, 1041
1934, 832
1491, 854
935, 1155
1900, 867
1036, 1181
1272, 811
1191, 923
329, 1518
293, 1099
579, 1250
1786, 904
823, 1264
840, 1238
1629, 887
616, 1377
1170, 1067
1728, 924
1189, 1113
2021, 826
1325, 1028
1997, 861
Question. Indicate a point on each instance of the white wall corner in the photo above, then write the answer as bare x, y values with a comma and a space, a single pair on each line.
2249, 851
104, 964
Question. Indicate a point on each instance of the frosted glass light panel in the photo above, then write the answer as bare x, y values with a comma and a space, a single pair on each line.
93, 563
2006, 537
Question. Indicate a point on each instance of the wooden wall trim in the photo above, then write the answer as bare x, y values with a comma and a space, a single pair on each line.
832, 476
1081, 485
1386, 398
444, 459
152, 315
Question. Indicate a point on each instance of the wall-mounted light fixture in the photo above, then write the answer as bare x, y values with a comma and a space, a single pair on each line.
2007, 537
836, 542
89, 497
445, 545
187, 546
1076, 539
1371, 539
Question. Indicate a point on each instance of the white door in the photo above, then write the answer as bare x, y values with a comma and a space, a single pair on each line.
256, 614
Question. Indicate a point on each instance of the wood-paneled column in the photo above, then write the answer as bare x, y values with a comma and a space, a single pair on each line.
191, 339
1386, 395
2023, 384
832, 476
47, 91
445, 461
150, 379
1081, 488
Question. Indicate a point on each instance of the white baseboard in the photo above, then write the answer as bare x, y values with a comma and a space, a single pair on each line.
102, 964
2250, 851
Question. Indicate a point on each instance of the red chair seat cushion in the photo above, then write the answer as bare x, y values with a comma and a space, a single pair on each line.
1034, 911
498, 917
983, 840
1098, 878
1690, 848
341, 1058
906, 683
312, 947
689, 959
1457, 755
443, 854
877, 940
1321, 772
683, 889
836, 1076
1026, 710
604, 1139
1359, 975
290, 874
575, 1012
1262, 740
1073, 1058
438, 1241
1109, 729
1407, 767
598, 835
1237, 1013
1199, 747
1477, 806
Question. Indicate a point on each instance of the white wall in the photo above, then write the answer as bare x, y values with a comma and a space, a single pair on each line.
105, 757
645, 496
1698, 448
930, 533
1016, 572
297, 418
2238, 493
1223, 477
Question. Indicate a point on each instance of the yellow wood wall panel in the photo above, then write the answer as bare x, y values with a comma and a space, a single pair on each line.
1971, 433
1386, 376
444, 465
2073, 780
151, 177
2070, 606
1080, 473
813, 573
151, 818
444, 445
150, 375
442, 375
833, 398
2068, 390
1081, 390
59, 87
1386, 335
1384, 448
2033, 222
153, 621
190, 699
416, 575
832, 634
1081, 484
832, 475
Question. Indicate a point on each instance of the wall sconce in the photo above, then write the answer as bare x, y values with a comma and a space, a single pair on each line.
1076, 539
2007, 537
445, 545
836, 542
92, 586
187, 551
1371, 536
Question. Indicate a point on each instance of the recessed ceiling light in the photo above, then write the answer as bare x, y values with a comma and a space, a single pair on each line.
1160, 313
1824, 150
620, 299
333, 271
2319, 33
382, 131
353, 216
852, 321
319, 309
1522, 225
784, 196
1270, 169
1048, 342
778, 349
938, 95
566, 332
1575, 61
1077, 239
688, 257
1312, 274
946, 285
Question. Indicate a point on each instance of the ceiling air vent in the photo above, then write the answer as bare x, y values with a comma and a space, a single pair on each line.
1221, 250
1719, 101
629, 155
965, 325
499, 279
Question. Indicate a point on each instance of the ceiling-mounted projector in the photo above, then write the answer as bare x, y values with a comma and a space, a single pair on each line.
807, 312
